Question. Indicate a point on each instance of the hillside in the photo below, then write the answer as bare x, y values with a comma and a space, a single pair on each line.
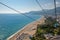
49, 12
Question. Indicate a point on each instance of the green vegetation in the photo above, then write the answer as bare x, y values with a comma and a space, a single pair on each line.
49, 27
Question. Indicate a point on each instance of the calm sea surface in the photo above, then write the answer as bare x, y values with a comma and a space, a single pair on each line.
11, 23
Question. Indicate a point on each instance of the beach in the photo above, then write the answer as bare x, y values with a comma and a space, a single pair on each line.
29, 29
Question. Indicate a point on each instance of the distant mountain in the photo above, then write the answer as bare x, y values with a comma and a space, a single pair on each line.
49, 12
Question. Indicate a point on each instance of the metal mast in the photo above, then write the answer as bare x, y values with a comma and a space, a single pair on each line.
55, 10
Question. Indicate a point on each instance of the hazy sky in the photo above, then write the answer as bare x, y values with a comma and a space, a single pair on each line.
26, 5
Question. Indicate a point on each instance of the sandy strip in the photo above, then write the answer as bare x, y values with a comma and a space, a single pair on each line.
27, 29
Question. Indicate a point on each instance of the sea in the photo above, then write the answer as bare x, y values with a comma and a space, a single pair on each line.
11, 23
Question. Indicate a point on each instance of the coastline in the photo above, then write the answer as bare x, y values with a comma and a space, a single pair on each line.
27, 27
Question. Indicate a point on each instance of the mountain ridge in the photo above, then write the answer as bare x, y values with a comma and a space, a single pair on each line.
49, 12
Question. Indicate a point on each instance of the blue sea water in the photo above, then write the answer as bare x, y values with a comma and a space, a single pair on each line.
11, 23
